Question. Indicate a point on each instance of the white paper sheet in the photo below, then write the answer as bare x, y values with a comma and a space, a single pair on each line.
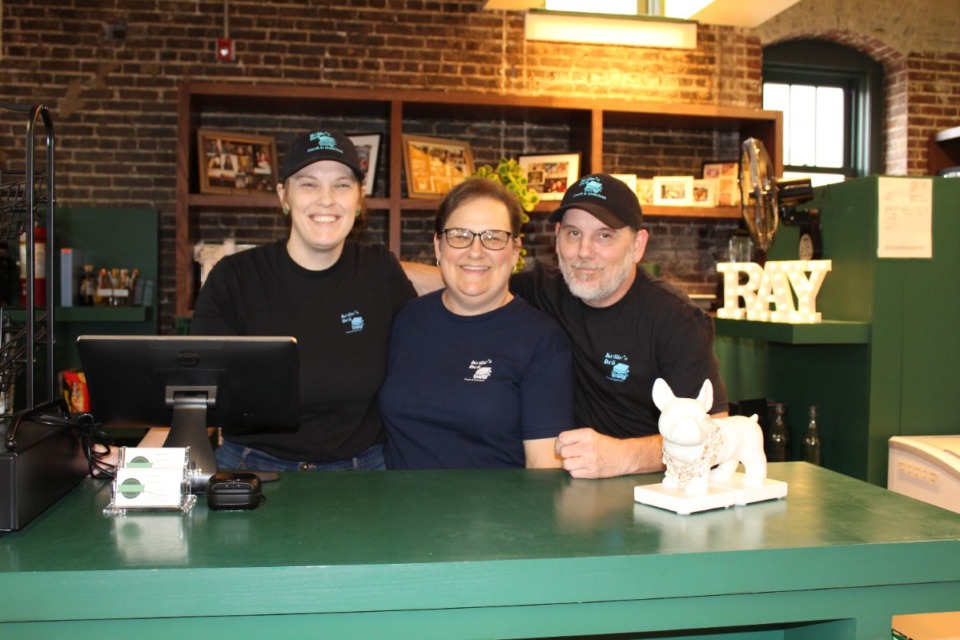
905, 223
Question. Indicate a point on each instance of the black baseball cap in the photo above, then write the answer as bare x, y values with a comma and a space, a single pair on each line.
323, 144
610, 200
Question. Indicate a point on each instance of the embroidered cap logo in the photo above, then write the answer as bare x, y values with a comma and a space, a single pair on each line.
325, 142
592, 187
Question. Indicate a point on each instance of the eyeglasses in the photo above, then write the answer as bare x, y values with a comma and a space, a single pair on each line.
492, 239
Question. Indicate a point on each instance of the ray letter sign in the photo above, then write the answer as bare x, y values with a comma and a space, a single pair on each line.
784, 291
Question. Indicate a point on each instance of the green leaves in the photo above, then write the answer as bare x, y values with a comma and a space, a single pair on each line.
509, 173
513, 177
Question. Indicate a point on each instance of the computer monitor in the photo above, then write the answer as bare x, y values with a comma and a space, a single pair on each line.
241, 384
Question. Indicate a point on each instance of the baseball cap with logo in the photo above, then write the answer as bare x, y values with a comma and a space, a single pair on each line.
610, 200
323, 144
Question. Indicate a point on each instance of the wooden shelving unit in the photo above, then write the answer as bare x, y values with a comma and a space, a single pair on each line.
943, 150
586, 119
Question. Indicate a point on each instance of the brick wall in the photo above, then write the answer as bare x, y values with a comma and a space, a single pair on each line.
918, 44
110, 74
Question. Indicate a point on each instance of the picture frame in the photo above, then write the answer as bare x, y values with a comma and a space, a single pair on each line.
726, 173
368, 148
433, 166
673, 190
629, 179
645, 191
236, 163
705, 192
551, 175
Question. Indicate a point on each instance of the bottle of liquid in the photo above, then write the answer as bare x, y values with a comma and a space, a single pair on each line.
39, 267
811, 439
122, 290
134, 299
87, 286
778, 443
114, 278
101, 295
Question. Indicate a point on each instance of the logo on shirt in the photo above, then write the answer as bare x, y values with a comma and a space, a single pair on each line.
482, 370
353, 320
619, 369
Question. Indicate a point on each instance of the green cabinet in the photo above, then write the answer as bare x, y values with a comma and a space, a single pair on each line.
886, 360
106, 237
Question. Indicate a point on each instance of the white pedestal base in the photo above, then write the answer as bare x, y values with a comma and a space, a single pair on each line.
769, 490
720, 495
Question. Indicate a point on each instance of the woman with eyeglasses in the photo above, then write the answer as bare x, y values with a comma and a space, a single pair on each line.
476, 378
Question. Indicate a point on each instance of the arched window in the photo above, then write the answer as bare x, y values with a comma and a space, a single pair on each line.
832, 100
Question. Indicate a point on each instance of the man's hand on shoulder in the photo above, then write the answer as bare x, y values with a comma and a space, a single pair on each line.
589, 454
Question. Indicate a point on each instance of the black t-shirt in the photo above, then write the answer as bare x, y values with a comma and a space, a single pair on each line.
341, 318
654, 331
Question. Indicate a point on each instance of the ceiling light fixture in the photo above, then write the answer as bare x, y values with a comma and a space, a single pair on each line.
731, 13
618, 7
633, 31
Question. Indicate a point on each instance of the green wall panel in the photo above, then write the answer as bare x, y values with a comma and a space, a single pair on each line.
905, 380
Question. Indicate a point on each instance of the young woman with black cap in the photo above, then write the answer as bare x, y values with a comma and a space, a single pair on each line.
335, 296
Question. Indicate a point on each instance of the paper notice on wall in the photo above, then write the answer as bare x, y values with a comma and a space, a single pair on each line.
905, 224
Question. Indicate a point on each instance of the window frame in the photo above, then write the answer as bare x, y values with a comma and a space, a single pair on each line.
826, 64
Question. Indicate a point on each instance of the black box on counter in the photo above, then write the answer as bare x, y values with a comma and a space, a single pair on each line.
44, 464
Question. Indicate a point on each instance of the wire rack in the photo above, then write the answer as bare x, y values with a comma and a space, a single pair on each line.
14, 217
13, 202
27, 197
13, 347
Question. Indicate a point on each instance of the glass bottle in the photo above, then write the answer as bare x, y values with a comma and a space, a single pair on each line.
778, 444
132, 287
122, 291
811, 439
114, 277
101, 295
740, 247
87, 286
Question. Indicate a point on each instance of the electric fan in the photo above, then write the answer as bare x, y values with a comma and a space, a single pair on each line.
764, 199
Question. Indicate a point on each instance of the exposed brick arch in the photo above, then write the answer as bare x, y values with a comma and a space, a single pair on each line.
920, 98
895, 129
867, 45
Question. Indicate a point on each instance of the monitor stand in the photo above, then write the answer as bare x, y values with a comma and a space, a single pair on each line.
188, 428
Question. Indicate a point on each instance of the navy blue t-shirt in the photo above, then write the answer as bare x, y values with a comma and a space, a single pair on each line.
466, 391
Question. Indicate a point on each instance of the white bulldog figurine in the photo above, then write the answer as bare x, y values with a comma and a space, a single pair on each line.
694, 443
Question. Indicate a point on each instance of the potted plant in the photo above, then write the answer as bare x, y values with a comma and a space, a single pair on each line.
509, 173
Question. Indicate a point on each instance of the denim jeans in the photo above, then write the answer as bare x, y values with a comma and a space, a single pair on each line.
236, 456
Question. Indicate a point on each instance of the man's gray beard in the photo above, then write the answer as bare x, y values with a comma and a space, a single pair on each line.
595, 291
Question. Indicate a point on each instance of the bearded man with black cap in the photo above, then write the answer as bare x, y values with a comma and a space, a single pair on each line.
337, 297
627, 329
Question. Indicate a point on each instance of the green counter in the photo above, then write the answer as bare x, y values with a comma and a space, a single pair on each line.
490, 554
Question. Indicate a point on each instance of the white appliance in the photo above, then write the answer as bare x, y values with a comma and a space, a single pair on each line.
926, 468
